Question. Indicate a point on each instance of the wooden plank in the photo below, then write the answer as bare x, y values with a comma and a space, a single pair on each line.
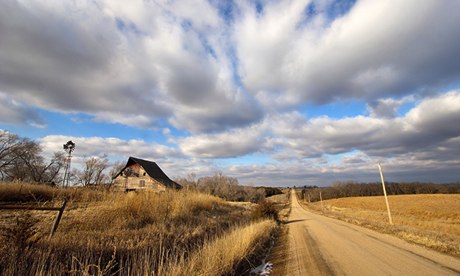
28, 207
41, 208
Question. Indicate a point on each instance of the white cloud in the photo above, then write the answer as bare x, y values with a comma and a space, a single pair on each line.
114, 148
120, 61
203, 72
429, 124
422, 145
227, 144
362, 54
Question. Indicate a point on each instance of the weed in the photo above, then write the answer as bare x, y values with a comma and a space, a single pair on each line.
17, 240
22, 234
266, 209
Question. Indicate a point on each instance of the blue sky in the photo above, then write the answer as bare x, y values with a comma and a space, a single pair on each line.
301, 92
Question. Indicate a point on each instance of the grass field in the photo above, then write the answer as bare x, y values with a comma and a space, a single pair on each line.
143, 233
431, 220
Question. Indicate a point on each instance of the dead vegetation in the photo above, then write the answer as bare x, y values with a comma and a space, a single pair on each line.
218, 256
429, 220
144, 233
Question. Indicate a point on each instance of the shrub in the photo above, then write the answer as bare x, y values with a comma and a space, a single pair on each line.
266, 209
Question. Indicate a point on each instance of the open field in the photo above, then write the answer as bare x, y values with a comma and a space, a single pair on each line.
144, 233
429, 220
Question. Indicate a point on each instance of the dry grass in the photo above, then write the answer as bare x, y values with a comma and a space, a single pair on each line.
142, 233
282, 203
219, 256
429, 220
40, 193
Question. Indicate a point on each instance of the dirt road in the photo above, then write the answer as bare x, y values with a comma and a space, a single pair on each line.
319, 245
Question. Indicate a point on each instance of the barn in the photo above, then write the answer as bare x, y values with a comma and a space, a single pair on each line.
140, 174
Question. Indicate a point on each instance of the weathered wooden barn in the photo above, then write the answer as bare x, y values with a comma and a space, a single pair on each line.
139, 174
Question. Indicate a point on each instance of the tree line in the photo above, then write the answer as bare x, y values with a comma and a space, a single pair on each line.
226, 187
21, 159
352, 189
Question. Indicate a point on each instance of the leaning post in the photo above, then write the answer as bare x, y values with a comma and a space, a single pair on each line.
385, 193
321, 199
58, 219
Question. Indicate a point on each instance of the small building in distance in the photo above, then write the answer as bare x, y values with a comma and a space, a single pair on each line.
139, 174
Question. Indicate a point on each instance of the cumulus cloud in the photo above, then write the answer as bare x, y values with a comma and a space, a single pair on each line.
15, 112
217, 67
426, 127
116, 61
113, 147
423, 144
228, 144
361, 54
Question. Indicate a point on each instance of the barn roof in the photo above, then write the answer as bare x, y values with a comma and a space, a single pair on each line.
153, 170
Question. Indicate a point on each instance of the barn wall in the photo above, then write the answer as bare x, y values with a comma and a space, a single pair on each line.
139, 180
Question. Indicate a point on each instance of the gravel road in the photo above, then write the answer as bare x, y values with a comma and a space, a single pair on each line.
318, 245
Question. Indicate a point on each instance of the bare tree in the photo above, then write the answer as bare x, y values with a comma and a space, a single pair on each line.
116, 167
54, 168
21, 159
24, 161
228, 188
11, 147
189, 182
93, 173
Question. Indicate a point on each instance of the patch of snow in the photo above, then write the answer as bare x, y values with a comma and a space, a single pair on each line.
263, 270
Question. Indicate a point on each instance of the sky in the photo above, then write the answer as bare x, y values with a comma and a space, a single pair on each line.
275, 93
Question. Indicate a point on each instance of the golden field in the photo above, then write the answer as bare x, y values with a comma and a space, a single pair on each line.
108, 233
431, 220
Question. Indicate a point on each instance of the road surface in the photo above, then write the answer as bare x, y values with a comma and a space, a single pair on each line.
318, 245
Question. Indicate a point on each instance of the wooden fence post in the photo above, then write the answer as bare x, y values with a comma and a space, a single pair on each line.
58, 219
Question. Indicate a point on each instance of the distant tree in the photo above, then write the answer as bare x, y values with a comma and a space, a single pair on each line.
55, 167
11, 149
351, 189
225, 187
116, 168
189, 182
21, 159
93, 172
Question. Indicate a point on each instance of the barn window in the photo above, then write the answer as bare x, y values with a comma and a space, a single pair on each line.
144, 173
141, 183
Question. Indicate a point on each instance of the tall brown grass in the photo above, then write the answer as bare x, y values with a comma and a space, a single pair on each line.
104, 232
429, 220
220, 255
40, 193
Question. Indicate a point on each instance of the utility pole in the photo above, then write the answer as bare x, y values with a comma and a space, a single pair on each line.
321, 199
69, 147
385, 194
